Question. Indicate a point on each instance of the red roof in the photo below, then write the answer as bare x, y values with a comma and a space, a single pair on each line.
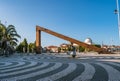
52, 47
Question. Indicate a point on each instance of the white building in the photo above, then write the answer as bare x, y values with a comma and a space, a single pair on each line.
88, 41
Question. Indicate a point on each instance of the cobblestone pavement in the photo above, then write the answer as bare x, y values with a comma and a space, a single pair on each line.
60, 67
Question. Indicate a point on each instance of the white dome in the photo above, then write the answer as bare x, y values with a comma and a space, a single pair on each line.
88, 41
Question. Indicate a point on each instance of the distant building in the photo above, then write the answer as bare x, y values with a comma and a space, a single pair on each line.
76, 45
52, 48
111, 48
67, 47
64, 47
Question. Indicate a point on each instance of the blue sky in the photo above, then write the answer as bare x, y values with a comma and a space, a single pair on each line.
78, 19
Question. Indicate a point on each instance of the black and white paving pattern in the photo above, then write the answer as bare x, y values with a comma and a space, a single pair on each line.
46, 67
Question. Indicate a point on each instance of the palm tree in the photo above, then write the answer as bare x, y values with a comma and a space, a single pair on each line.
31, 47
1, 31
8, 36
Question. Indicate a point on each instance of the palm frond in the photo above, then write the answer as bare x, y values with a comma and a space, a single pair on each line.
9, 34
15, 35
10, 26
14, 39
13, 43
2, 26
11, 30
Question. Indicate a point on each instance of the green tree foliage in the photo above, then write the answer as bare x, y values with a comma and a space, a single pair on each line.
59, 49
22, 45
19, 48
25, 44
8, 35
31, 47
81, 49
1, 32
97, 45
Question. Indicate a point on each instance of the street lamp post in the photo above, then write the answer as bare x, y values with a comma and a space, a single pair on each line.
118, 14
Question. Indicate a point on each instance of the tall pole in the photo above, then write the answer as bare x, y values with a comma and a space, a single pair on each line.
117, 12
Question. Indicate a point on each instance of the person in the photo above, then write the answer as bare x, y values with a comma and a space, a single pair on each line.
73, 51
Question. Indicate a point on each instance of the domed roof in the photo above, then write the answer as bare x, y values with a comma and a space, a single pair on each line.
88, 41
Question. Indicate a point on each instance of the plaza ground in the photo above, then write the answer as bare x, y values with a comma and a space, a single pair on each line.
60, 67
